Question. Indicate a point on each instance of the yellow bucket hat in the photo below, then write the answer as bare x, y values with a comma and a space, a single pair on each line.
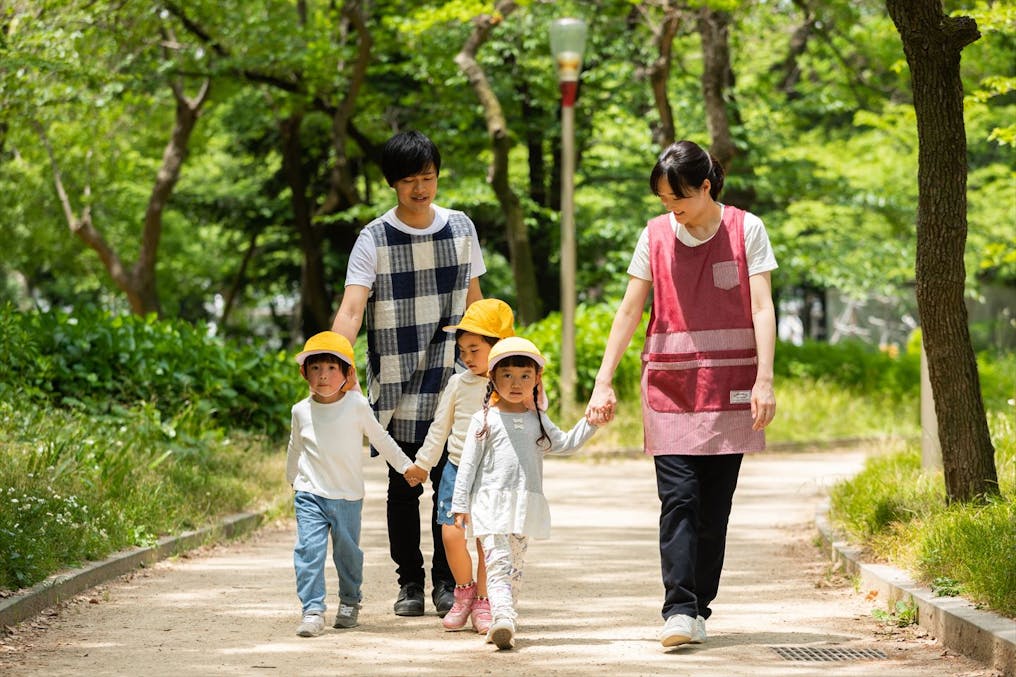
487, 317
514, 345
327, 342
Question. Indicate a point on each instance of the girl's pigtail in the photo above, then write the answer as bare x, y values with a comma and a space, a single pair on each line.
544, 438
482, 432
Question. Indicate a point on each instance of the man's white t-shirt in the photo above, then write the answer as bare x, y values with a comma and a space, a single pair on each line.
362, 269
757, 248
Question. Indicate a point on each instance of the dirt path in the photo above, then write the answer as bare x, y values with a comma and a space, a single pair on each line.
590, 602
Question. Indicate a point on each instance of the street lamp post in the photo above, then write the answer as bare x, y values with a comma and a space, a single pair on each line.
567, 41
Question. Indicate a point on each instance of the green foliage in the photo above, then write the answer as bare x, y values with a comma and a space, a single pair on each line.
592, 326
974, 545
899, 513
851, 364
78, 486
96, 362
903, 614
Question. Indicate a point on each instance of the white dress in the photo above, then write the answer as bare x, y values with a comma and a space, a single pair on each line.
500, 478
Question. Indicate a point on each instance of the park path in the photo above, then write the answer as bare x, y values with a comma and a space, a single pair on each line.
590, 603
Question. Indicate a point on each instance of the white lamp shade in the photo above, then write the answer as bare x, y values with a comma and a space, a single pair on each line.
567, 42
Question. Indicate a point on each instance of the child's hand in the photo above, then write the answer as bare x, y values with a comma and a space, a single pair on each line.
415, 475
461, 519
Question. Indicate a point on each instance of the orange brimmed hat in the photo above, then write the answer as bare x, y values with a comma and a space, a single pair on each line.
328, 342
487, 317
514, 345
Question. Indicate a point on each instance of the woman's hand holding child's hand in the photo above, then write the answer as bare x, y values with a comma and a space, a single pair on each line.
415, 475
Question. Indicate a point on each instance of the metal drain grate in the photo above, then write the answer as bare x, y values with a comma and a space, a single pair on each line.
825, 654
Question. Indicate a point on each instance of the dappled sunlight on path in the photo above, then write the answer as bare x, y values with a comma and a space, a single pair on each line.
590, 599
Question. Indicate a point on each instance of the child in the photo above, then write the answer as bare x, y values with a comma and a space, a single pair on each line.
324, 464
412, 271
486, 321
499, 488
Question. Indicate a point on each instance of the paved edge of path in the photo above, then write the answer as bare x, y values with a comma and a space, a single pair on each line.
982, 635
64, 585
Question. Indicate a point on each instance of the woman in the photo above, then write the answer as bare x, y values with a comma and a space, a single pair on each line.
707, 377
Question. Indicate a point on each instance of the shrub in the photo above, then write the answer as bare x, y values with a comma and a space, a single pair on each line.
95, 361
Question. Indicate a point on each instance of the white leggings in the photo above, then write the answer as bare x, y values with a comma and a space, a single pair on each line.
505, 554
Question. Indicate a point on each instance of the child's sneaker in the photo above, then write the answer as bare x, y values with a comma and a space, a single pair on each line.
679, 629
480, 615
313, 624
465, 597
502, 633
347, 615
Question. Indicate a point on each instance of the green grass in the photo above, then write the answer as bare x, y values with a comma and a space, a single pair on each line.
806, 411
899, 514
78, 487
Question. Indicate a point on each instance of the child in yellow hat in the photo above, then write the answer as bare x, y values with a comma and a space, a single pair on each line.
499, 488
324, 465
484, 323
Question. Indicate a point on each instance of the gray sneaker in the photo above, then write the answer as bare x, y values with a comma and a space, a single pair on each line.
347, 615
313, 624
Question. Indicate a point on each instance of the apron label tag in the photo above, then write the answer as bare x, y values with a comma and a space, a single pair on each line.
740, 397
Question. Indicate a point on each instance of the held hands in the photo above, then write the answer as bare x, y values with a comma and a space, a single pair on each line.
763, 404
461, 519
415, 475
600, 409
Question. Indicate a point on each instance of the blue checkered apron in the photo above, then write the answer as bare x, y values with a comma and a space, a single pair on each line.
421, 287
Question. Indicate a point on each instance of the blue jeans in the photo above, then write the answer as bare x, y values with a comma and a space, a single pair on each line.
315, 518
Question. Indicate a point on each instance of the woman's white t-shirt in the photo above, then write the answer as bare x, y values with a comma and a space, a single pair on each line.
758, 251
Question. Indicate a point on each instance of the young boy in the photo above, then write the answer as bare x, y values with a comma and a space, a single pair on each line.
412, 272
324, 464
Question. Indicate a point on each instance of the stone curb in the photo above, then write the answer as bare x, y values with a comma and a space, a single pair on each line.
981, 635
63, 586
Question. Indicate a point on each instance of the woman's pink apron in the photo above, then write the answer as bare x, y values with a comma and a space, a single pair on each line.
699, 361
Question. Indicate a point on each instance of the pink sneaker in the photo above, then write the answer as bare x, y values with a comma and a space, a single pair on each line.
465, 596
481, 615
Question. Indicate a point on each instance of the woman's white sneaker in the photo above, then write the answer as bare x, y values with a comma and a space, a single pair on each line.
698, 633
680, 629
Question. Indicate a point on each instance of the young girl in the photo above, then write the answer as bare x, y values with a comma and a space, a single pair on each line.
485, 323
499, 488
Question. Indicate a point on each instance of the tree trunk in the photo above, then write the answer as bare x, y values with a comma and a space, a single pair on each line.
342, 193
137, 282
520, 253
664, 132
315, 305
721, 111
932, 42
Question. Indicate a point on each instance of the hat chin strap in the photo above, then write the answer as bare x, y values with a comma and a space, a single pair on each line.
324, 395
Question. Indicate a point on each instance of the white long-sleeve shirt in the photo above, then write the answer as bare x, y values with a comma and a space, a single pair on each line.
326, 451
460, 399
500, 478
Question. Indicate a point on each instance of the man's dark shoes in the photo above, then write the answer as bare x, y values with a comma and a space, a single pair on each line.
443, 597
410, 601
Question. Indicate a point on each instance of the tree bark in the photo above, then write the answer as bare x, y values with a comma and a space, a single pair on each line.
721, 111
343, 193
519, 250
932, 42
789, 70
315, 305
664, 132
138, 282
